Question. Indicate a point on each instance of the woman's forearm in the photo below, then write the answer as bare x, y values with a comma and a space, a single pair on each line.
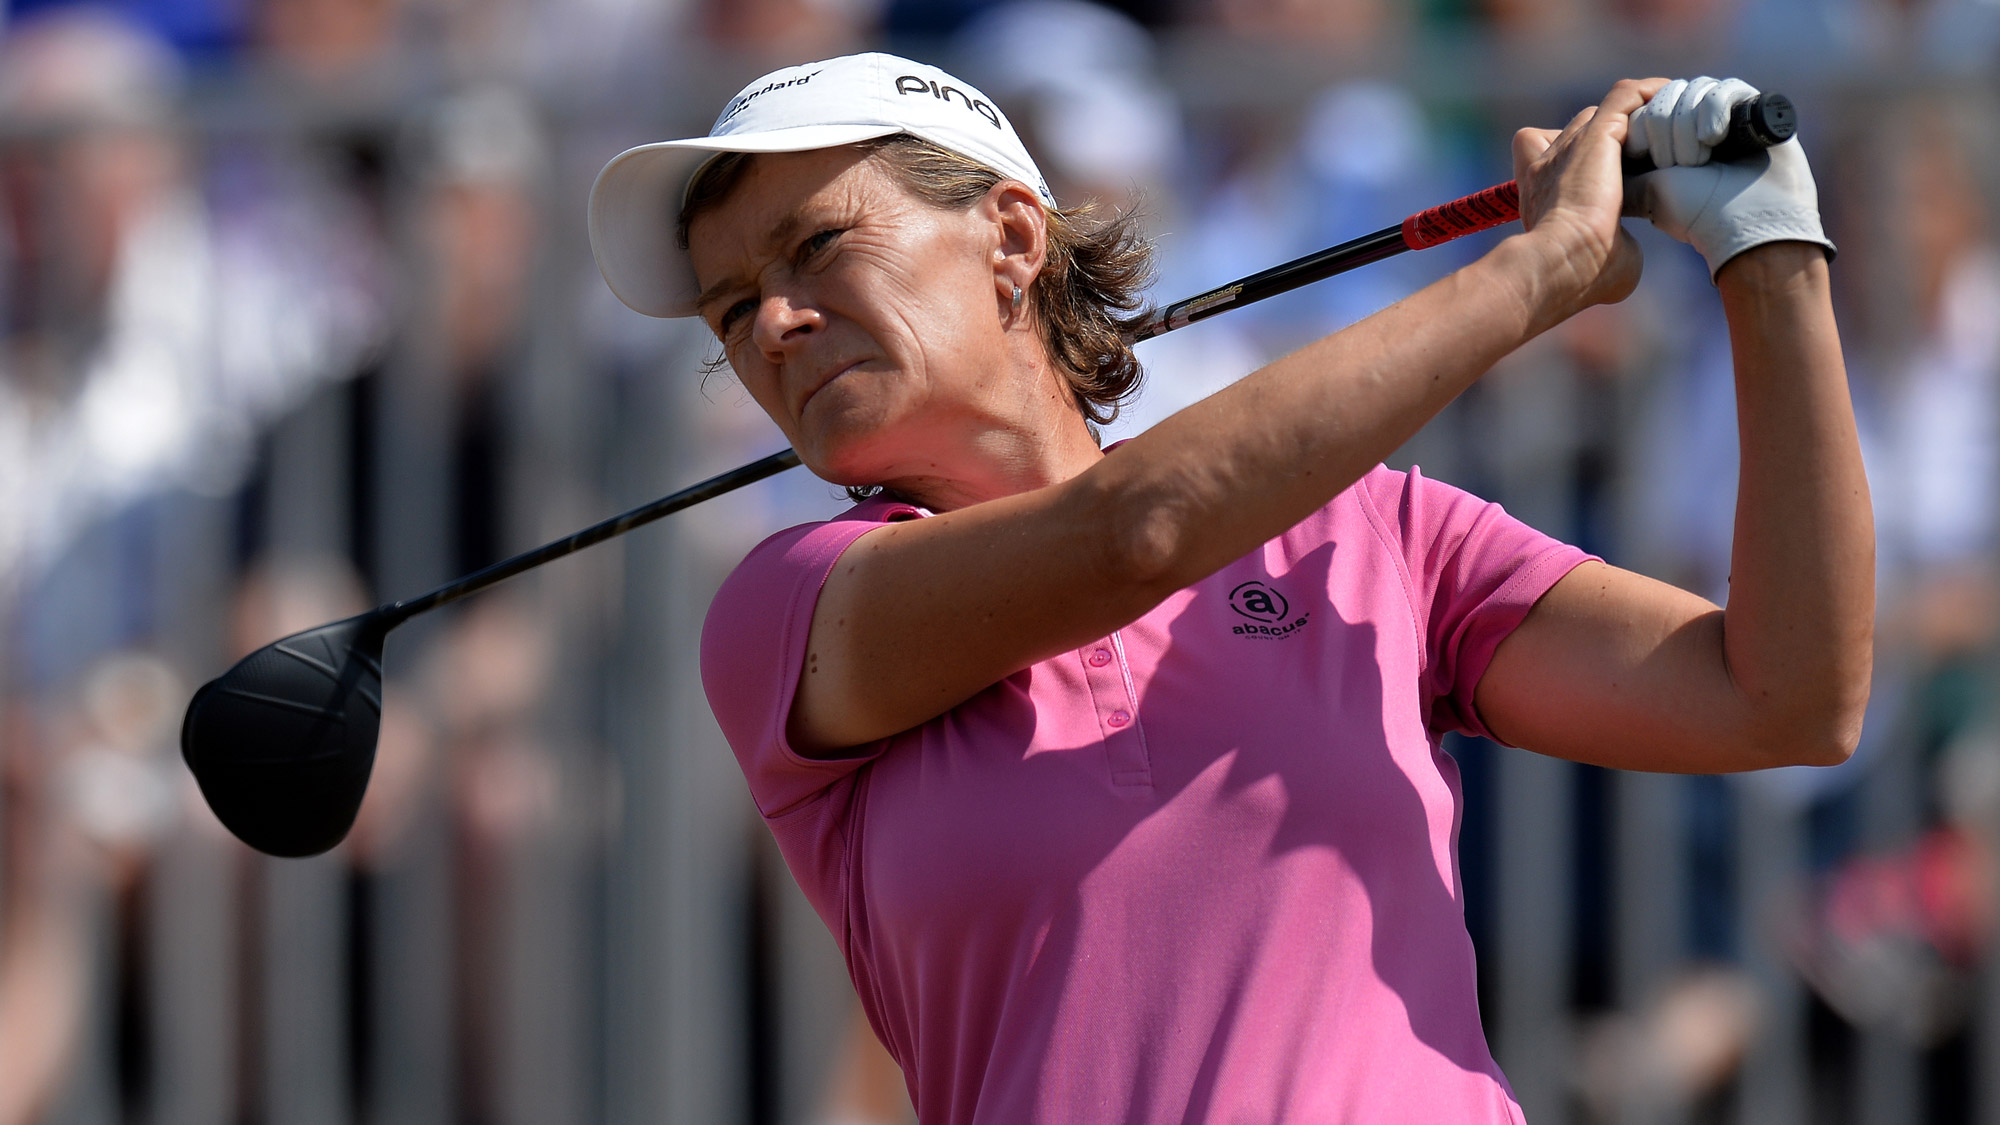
1204, 486
1218, 479
1799, 620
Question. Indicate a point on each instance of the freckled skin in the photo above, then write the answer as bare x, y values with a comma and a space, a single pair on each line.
819, 266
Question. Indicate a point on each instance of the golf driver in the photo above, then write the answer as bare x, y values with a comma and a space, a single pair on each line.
283, 742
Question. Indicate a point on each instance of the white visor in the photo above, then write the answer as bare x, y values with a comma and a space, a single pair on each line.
635, 203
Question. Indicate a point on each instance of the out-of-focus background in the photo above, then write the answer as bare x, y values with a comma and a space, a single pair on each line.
297, 314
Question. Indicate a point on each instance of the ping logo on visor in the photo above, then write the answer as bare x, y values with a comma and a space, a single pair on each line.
911, 84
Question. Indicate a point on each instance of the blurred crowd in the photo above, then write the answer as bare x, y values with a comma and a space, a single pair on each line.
297, 315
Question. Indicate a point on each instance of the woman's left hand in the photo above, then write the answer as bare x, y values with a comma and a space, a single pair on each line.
1721, 209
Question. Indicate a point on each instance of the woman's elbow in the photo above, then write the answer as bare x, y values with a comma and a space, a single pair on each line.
1829, 748
1825, 733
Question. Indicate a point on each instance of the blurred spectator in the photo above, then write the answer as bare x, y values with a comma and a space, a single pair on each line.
1353, 162
1543, 27
488, 682
200, 28
940, 18
481, 217
96, 217
1956, 35
91, 787
481, 223
570, 49
327, 41
1683, 26
44, 934
1548, 416
143, 347
1350, 28
1896, 932
1666, 1056
145, 339
1888, 933
1080, 84
119, 778
1938, 494
1893, 939
771, 33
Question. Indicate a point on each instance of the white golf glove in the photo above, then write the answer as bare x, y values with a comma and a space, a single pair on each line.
1720, 209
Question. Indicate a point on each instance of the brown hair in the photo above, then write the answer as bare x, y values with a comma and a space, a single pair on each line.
1086, 297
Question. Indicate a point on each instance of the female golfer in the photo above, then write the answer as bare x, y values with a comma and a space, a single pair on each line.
1116, 775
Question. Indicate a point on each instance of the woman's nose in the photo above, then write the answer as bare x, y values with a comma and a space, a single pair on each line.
782, 323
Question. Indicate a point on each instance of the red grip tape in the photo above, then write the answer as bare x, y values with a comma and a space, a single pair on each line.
1498, 204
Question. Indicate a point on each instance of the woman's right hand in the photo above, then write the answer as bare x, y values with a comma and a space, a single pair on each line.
1572, 194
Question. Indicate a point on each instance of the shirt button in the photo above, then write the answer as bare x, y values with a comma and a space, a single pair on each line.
1119, 718
1100, 658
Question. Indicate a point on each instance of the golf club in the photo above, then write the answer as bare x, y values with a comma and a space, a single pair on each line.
282, 743
1754, 124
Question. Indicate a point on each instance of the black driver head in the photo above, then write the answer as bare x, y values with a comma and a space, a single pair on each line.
282, 743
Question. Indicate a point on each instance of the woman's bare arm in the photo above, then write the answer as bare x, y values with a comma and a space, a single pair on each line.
921, 615
1617, 669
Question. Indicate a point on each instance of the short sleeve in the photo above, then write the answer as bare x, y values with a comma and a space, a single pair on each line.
1475, 572
753, 649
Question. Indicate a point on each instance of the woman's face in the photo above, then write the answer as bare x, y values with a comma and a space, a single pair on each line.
866, 322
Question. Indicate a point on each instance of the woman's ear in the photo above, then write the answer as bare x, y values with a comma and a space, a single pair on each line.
1021, 228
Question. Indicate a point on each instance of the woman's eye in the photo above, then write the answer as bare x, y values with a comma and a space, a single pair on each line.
735, 313
817, 242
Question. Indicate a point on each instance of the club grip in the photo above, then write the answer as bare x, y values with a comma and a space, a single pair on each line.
1498, 204
1756, 123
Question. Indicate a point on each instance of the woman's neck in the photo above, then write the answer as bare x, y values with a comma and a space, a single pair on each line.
1039, 441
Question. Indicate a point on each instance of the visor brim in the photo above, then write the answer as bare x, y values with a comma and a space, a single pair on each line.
635, 206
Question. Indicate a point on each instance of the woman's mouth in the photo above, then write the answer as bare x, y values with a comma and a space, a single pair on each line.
835, 373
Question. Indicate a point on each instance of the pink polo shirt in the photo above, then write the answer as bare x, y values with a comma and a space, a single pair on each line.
1203, 869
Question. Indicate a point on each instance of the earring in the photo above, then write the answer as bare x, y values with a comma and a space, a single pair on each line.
1018, 294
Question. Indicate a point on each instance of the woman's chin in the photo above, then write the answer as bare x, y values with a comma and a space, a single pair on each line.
851, 447
850, 461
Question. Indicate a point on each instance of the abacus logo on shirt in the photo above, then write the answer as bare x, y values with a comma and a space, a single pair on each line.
1267, 608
